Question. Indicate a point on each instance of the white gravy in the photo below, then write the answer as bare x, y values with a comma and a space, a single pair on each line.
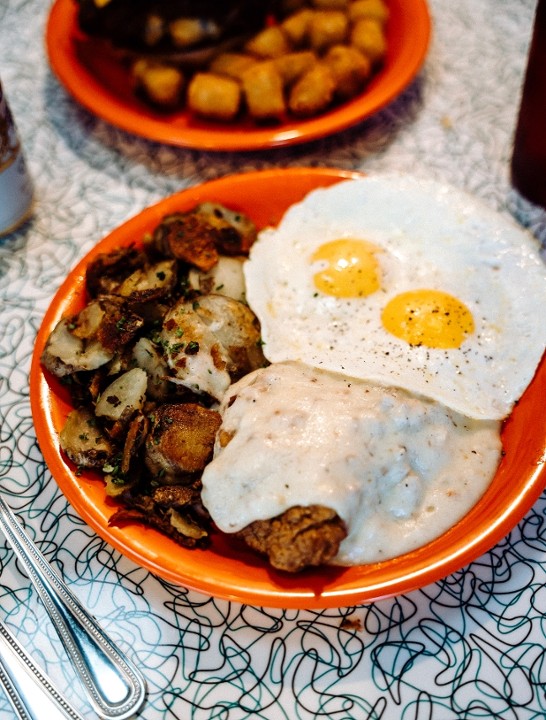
399, 469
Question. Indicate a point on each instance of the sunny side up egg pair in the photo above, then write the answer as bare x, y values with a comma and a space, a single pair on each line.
404, 282
402, 320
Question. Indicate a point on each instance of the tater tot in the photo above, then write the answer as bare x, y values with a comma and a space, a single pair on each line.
367, 35
296, 27
350, 69
293, 65
313, 92
161, 84
375, 9
231, 64
214, 96
263, 91
326, 28
269, 43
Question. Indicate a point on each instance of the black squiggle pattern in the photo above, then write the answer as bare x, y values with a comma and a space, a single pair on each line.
468, 647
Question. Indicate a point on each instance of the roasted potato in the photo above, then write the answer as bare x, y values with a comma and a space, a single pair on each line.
181, 440
83, 440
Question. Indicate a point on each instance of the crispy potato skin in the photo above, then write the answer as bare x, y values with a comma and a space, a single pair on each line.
190, 238
181, 439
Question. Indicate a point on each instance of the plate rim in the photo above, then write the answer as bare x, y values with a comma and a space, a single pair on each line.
359, 588
84, 87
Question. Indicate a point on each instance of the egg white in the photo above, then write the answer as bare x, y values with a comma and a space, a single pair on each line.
430, 236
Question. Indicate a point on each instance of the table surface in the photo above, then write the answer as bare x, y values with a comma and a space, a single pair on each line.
470, 646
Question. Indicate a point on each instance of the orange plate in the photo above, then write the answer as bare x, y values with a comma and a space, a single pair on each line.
227, 570
102, 85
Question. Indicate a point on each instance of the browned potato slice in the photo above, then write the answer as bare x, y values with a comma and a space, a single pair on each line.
196, 358
263, 89
123, 397
188, 237
175, 510
118, 325
65, 354
149, 283
90, 339
147, 356
237, 329
210, 342
235, 231
214, 96
83, 442
313, 92
225, 278
107, 270
181, 440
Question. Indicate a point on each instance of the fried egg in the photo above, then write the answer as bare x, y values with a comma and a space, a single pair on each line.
405, 282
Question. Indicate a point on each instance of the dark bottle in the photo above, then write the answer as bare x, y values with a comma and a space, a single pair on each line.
529, 155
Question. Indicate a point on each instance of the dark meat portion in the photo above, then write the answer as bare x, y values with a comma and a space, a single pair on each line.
301, 537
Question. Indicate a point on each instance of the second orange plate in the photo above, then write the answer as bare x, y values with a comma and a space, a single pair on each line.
226, 570
103, 86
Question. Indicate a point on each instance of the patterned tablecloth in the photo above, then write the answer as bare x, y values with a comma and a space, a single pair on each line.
470, 646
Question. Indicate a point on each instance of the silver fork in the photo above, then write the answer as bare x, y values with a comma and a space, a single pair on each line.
115, 687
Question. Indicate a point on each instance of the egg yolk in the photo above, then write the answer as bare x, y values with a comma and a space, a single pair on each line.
428, 317
352, 269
